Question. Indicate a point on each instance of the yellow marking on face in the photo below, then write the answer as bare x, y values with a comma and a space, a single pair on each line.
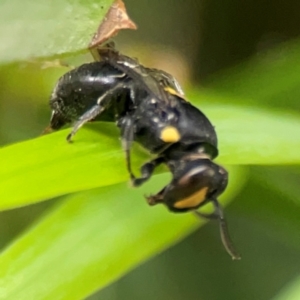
170, 134
192, 201
174, 92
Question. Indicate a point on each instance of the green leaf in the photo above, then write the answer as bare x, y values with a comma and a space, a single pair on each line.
43, 28
291, 292
48, 166
90, 240
270, 78
250, 135
280, 202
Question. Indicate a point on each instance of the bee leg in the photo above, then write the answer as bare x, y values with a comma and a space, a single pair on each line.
127, 136
218, 214
86, 117
147, 170
157, 198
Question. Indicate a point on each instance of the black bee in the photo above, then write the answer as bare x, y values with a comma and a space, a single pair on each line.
149, 107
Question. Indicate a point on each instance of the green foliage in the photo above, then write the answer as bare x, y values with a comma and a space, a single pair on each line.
292, 292
259, 138
44, 29
90, 240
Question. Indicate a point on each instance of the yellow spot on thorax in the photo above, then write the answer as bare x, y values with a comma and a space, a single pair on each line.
192, 201
171, 91
170, 134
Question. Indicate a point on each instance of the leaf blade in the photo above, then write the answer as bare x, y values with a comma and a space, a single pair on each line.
93, 238
67, 26
47, 167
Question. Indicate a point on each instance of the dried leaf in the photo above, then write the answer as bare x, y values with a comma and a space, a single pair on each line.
115, 20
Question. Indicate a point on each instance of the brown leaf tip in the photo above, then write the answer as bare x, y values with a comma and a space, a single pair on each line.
115, 20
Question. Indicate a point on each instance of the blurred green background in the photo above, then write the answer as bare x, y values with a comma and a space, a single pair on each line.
240, 52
